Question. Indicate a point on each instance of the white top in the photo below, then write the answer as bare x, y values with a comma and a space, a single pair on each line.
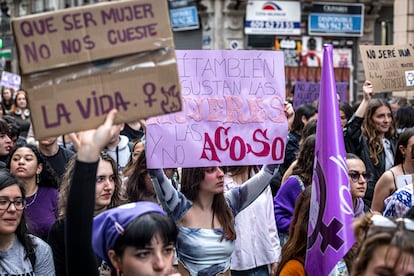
257, 241
13, 261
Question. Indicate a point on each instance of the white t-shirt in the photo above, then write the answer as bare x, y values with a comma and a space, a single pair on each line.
13, 261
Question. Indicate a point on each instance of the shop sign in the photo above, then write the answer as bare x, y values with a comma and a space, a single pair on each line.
273, 18
184, 19
336, 19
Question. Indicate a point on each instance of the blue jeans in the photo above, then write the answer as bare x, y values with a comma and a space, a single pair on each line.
257, 271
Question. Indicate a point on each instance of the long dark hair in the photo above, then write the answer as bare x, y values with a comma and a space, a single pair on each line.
404, 117
47, 177
304, 165
136, 188
190, 185
403, 141
306, 110
295, 246
22, 233
347, 109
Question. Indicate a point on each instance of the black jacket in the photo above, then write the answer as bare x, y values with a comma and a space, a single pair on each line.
356, 143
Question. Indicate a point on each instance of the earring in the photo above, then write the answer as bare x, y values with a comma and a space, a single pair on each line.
37, 178
118, 271
403, 156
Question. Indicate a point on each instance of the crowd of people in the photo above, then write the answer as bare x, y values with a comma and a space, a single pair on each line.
86, 203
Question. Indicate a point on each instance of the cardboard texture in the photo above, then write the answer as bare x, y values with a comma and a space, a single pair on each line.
389, 67
93, 32
70, 92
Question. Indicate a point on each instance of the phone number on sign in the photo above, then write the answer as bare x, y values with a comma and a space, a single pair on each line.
271, 24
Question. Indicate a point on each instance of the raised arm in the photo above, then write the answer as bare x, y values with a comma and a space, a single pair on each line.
81, 259
172, 201
352, 130
242, 196
368, 91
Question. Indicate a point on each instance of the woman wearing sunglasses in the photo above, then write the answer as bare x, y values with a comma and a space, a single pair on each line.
358, 178
20, 252
384, 247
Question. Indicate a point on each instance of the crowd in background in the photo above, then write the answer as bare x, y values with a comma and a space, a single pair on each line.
236, 220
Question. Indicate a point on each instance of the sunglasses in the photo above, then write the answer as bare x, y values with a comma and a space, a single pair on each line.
355, 175
381, 225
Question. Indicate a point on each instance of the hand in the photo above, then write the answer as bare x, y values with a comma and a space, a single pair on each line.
94, 140
290, 114
368, 90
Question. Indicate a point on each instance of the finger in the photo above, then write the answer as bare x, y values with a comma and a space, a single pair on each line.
110, 118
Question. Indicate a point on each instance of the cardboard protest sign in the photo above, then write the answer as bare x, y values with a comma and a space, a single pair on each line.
308, 92
92, 32
233, 112
389, 67
79, 63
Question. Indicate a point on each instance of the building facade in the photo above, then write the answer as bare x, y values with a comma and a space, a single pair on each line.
222, 26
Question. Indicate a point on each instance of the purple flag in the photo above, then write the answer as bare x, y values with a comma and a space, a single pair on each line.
330, 234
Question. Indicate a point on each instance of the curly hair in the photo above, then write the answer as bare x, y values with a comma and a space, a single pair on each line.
47, 177
190, 185
116, 199
369, 131
304, 165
